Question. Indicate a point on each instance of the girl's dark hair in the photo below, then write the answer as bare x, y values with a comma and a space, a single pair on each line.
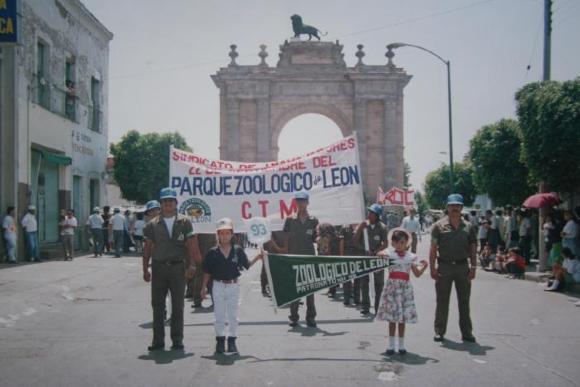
399, 235
9, 209
515, 250
566, 252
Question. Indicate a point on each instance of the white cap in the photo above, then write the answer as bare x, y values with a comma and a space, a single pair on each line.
32, 208
96, 209
225, 224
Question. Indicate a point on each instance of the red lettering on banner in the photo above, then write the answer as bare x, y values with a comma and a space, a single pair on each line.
285, 211
264, 204
245, 207
194, 171
322, 161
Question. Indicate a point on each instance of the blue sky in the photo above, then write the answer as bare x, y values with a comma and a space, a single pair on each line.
164, 52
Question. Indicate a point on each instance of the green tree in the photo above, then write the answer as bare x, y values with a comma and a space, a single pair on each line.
421, 203
498, 171
549, 116
437, 184
142, 163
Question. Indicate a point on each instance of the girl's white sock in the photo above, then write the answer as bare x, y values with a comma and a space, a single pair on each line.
391, 342
401, 343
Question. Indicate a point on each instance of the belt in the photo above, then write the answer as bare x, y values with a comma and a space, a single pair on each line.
230, 281
168, 263
460, 262
399, 275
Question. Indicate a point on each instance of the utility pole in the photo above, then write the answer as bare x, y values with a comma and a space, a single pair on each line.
546, 77
547, 38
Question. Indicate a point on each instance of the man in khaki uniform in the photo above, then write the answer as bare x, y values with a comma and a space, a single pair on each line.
299, 237
173, 249
453, 246
377, 232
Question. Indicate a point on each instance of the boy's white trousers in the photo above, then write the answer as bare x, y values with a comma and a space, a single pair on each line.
225, 306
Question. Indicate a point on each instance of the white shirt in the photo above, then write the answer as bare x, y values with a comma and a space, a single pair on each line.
69, 222
482, 232
9, 226
570, 229
29, 223
524, 227
169, 223
95, 221
411, 224
139, 225
118, 222
572, 266
400, 264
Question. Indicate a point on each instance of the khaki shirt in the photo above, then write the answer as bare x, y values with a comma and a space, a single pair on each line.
301, 235
453, 243
351, 248
377, 235
166, 248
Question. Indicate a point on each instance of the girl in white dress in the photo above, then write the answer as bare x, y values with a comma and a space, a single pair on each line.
397, 301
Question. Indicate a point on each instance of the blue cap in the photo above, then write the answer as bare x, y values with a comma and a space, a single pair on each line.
167, 193
376, 208
302, 195
151, 204
455, 199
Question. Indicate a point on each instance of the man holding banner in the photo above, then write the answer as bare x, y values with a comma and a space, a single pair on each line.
300, 234
377, 232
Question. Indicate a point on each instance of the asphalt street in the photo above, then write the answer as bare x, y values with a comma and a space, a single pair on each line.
88, 323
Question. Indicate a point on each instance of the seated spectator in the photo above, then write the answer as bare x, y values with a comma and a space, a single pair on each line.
568, 271
500, 261
486, 257
515, 263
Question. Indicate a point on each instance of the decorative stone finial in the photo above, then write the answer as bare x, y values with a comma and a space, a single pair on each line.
359, 54
390, 54
233, 55
263, 55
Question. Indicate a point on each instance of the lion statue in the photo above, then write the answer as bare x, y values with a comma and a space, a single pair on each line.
301, 28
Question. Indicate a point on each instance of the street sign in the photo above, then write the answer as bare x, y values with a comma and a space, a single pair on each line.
8, 21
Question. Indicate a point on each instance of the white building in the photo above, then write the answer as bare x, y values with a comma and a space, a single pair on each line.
53, 113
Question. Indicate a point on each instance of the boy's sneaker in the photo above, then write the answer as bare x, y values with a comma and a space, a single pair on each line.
390, 352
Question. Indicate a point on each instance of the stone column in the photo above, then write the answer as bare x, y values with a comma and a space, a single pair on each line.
232, 128
263, 130
393, 146
360, 128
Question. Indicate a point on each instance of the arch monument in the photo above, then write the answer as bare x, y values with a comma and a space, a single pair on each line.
256, 102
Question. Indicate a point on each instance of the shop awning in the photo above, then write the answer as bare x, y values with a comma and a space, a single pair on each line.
55, 158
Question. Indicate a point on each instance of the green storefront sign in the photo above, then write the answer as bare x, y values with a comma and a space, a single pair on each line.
292, 277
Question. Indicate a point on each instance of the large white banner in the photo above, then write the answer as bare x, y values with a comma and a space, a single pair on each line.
208, 190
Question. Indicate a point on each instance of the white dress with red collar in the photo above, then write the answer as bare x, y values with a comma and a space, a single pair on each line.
398, 300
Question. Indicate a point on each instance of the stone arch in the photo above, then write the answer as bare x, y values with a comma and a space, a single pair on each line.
329, 111
257, 101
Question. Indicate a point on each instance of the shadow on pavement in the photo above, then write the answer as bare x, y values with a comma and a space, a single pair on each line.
149, 325
227, 359
202, 310
409, 358
309, 332
319, 322
316, 359
166, 357
472, 348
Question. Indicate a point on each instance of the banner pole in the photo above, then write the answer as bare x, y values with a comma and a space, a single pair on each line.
269, 275
365, 232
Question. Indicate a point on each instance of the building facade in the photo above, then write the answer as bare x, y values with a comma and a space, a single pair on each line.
53, 104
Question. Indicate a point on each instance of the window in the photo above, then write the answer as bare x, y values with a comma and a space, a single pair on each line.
42, 86
70, 91
95, 110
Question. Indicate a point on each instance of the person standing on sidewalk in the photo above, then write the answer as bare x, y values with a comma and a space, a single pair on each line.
172, 248
95, 223
30, 226
412, 225
453, 259
223, 264
117, 224
299, 237
68, 227
9, 233
377, 231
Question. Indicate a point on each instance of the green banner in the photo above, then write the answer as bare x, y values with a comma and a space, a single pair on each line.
292, 277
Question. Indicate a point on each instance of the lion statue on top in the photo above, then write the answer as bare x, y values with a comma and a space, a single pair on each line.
301, 28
